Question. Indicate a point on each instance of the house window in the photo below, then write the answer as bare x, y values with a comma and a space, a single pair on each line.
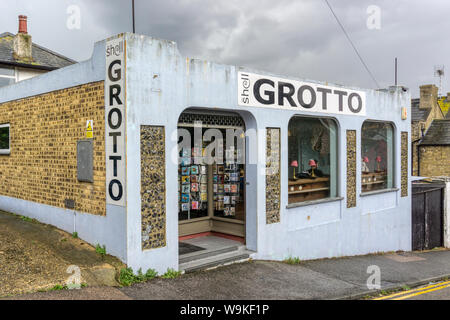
4, 139
7, 76
312, 156
377, 156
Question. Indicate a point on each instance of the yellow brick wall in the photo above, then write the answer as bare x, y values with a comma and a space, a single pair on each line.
434, 161
44, 130
415, 135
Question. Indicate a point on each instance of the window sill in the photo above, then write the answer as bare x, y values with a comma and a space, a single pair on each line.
312, 202
5, 152
369, 193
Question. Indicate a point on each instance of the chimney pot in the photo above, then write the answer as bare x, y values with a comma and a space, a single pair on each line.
23, 24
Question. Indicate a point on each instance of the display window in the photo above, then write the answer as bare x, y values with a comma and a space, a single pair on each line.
377, 156
312, 159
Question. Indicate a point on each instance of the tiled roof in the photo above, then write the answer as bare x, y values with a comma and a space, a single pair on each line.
416, 113
438, 133
43, 58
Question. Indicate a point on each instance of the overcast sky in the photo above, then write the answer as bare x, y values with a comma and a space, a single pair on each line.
291, 37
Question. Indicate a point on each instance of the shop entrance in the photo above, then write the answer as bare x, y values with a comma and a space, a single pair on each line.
211, 175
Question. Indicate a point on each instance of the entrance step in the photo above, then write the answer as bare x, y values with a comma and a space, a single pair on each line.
206, 253
207, 260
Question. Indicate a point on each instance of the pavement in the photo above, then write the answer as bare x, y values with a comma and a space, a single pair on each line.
35, 256
340, 278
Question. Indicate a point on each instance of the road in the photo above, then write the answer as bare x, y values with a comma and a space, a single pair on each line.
433, 291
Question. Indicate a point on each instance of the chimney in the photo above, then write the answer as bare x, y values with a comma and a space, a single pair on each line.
428, 96
23, 24
22, 42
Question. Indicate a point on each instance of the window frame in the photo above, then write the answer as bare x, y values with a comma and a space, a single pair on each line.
330, 198
388, 188
6, 151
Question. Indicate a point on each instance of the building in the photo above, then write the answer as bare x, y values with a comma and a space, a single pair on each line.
423, 111
21, 59
434, 150
287, 166
430, 133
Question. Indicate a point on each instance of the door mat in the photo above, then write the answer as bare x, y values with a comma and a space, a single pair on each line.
184, 248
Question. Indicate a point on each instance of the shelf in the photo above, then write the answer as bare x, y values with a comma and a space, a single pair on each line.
370, 183
308, 190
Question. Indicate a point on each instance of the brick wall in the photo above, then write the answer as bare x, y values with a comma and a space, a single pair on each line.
415, 135
42, 166
434, 161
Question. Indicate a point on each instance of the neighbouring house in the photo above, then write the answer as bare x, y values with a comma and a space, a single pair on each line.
21, 59
423, 111
104, 148
434, 150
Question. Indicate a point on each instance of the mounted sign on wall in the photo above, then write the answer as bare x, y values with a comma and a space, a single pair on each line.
115, 121
90, 129
271, 92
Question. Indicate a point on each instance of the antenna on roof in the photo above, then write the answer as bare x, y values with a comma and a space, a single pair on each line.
132, 7
439, 72
395, 71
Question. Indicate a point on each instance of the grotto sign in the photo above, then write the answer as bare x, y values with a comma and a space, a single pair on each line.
266, 91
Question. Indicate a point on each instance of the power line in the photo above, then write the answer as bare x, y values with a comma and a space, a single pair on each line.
351, 42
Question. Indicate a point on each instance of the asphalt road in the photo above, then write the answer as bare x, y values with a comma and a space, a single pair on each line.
433, 291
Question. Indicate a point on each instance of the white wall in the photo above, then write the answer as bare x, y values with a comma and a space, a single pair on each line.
161, 84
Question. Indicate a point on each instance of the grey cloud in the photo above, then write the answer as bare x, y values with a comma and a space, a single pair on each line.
293, 37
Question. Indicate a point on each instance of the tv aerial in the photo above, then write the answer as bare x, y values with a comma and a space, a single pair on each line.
439, 72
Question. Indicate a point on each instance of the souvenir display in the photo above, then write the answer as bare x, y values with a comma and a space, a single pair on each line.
194, 169
184, 197
185, 161
227, 184
185, 179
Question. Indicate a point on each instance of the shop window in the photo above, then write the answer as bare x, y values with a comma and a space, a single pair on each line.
4, 139
377, 156
7, 76
312, 156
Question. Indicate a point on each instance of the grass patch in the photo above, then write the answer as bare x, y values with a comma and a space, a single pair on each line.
292, 260
27, 219
406, 288
171, 274
127, 277
58, 287
75, 235
100, 250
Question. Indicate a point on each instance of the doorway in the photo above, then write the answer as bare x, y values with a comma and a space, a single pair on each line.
211, 175
427, 215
